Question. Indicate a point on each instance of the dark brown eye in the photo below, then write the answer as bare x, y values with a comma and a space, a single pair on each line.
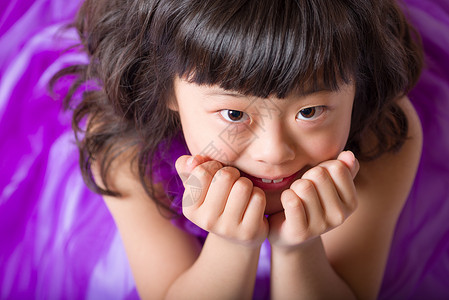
234, 115
310, 113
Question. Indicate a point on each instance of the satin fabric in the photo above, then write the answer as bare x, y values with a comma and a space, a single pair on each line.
57, 238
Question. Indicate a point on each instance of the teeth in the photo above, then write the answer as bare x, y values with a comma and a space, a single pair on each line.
272, 181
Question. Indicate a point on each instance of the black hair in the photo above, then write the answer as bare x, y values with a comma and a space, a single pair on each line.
257, 47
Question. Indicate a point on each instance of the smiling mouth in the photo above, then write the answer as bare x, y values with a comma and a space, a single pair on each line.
271, 184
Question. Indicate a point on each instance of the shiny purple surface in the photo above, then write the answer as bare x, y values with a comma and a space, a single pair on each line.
57, 239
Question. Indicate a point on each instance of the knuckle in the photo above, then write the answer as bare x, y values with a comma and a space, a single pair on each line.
227, 174
338, 168
213, 164
338, 218
291, 200
258, 194
202, 172
317, 173
302, 185
243, 185
209, 168
288, 194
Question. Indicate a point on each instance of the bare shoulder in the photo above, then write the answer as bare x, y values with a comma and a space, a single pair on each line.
358, 249
158, 251
395, 172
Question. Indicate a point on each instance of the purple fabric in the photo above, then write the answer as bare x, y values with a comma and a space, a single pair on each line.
57, 239
418, 267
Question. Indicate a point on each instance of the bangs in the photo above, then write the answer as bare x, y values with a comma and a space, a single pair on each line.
266, 47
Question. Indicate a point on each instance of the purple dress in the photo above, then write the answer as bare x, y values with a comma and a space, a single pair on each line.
58, 240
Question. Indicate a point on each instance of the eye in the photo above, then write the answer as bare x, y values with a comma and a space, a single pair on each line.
310, 113
234, 116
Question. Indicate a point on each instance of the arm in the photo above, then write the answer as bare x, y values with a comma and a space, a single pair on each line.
306, 273
348, 261
231, 210
318, 202
169, 263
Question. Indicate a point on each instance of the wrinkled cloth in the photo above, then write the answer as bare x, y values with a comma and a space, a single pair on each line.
57, 238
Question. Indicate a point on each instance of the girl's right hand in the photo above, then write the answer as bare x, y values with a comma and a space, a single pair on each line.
221, 202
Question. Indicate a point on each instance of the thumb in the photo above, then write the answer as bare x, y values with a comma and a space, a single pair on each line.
348, 158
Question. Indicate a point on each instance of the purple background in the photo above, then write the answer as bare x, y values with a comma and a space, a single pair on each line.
57, 239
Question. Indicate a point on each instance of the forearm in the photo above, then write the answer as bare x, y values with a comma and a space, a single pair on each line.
224, 270
306, 273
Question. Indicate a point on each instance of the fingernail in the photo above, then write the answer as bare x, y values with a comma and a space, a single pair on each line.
352, 155
190, 160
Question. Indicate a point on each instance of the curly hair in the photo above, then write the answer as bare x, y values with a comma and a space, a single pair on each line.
257, 47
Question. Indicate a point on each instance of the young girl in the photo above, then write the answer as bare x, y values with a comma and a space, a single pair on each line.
287, 122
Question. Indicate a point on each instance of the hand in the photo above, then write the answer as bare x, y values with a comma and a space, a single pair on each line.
321, 200
221, 202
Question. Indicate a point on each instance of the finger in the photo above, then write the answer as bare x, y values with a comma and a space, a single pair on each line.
294, 210
219, 191
348, 158
186, 163
254, 213
328, 196
198, 182
239, 197
306, 191
343, 183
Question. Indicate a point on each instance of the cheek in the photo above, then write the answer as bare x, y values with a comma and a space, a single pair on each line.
328, 144
210, 142
213, 148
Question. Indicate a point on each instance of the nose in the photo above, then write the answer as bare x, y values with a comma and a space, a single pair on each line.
272, 145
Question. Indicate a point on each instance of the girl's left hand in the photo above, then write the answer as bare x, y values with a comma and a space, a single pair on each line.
321, 200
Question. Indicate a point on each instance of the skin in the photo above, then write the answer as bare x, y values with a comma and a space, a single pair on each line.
281, 140
330, 228
284, 140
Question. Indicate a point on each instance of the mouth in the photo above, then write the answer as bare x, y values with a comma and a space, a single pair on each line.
268, 184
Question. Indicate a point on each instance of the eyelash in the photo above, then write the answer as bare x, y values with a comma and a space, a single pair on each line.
225, 114
316, 110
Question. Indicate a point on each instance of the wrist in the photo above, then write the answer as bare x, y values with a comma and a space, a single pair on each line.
285, 249
226, 242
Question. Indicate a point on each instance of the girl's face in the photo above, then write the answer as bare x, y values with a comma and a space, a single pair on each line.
271, 141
